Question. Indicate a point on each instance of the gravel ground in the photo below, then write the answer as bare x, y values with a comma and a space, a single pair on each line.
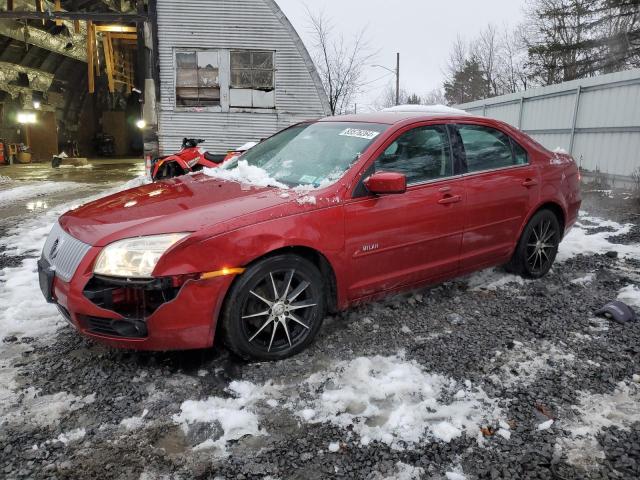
558, 388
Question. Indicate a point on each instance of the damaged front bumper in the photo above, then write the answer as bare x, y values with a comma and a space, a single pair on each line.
173, 313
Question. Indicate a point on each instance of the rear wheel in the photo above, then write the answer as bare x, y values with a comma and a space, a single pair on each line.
275, 309
538, 246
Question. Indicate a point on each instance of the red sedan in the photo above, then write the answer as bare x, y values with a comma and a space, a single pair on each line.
317, 218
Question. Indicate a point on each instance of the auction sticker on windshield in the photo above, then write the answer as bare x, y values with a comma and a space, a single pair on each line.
358, 133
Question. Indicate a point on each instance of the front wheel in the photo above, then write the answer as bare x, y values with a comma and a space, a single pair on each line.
275, 308
538, 246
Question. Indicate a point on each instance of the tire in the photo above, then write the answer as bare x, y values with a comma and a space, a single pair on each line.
538, 246
274, 309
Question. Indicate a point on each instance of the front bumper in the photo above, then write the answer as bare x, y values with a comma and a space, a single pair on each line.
187, 321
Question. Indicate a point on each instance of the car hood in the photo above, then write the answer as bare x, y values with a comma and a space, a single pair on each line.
190, 203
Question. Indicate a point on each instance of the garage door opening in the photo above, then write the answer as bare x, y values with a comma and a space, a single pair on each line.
70, 85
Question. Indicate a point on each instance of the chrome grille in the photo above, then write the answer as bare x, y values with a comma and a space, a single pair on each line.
63, 252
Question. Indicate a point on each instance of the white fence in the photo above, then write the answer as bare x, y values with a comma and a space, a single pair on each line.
596, 119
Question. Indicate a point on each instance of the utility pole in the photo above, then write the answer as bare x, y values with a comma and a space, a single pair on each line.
398, 78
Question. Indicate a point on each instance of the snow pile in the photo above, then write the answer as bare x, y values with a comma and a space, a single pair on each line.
581, 241
585, 280
236, 415
560, 150
307, 199
493, 279
426, 109
597, 411
72, 436
24, 310
522, 365
24, 192
390, 399
133, 423
403, 471
44, 409
631, 296
245, 173
456, 474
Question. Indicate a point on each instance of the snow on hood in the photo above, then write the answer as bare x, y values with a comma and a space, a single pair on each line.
245, 173
440, 109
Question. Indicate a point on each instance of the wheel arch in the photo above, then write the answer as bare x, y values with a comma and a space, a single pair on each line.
557, 210
316, 257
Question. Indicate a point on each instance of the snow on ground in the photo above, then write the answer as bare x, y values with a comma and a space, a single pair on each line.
245, 173
456, 474
390, 399
43, 409
631, 296
24, 311
24, 192
236, 415
581, 239
493, 279
584, 280
595, 412
522, 365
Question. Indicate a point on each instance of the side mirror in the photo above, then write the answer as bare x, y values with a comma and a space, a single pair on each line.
385, 183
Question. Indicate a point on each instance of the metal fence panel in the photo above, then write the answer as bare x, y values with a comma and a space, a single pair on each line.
597, 119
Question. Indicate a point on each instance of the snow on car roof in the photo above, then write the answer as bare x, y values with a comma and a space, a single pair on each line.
427, 109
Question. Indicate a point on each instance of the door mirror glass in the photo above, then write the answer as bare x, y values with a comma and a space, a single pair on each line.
385, 183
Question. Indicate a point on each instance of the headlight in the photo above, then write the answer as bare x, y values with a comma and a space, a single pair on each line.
134, 257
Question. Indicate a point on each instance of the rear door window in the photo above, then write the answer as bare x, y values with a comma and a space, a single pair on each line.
487, 148
422, 154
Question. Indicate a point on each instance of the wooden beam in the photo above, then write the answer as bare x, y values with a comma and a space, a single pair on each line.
58, 8
40, 10
90, 56
108, 58
108, 17
115, 28
124, 36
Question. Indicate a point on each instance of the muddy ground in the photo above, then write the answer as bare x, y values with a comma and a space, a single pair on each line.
553, 389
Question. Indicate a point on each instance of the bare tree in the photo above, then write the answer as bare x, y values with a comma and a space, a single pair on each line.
340, 62
457, 57
388, 97
434, 97
513, 75
486, 52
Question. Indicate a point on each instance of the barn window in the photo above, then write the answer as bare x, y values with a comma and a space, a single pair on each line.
197, 78
252, 79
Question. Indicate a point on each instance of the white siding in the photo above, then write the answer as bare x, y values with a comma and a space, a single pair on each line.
607, 120
234, 24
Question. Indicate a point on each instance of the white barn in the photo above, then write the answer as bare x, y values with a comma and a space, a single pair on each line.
230, 71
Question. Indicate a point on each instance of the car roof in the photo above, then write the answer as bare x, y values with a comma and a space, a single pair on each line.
392, 118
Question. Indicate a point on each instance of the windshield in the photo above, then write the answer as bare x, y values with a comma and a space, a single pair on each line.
315, 154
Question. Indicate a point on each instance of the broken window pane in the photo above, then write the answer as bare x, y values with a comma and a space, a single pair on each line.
241, 59
241, 78
187, 78
186, 60
262, 60
197, 78
263, 79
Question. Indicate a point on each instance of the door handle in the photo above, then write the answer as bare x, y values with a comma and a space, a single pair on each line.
449, 199
530, 182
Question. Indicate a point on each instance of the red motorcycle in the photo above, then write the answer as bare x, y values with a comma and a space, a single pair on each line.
190, 158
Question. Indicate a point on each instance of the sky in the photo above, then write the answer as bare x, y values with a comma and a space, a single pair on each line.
421, 30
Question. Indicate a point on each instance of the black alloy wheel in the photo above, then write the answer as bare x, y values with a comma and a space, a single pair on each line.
275, 308
538, 246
